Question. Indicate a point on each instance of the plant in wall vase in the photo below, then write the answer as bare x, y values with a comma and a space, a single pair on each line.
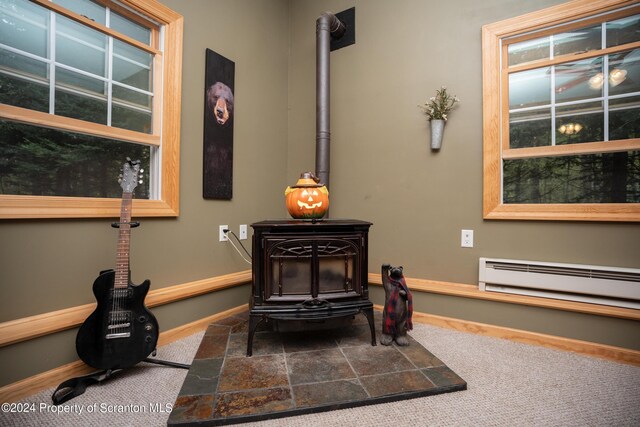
437, 109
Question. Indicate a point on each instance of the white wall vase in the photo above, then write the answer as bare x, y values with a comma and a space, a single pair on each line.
437, 131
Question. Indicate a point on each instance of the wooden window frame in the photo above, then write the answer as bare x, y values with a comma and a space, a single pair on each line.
494, 125
167, 100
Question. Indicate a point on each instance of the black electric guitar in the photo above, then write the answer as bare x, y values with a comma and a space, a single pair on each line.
121, 331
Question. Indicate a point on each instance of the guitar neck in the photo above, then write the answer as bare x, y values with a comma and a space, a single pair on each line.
124, 239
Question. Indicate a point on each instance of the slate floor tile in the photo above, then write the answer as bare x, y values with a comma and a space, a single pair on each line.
295, 373
370, 360
396, 382
253, 402
243, 373
212, 346
443, 376
318, 366
328, 393
202, 377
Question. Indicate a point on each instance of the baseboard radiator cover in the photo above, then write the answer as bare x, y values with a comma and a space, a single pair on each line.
614, 286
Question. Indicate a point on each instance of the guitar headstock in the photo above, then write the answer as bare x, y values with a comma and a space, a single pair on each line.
130, 178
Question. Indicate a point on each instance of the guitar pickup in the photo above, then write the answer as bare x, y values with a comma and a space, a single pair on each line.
118, 317
121, 293
120, 335
121, 325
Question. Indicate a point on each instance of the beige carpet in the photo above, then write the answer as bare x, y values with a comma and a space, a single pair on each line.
509, 384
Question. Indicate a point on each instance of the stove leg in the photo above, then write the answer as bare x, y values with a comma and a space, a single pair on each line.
368, 312
254, 321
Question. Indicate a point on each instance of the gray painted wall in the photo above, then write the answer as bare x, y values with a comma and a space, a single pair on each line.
48, 265
382, 171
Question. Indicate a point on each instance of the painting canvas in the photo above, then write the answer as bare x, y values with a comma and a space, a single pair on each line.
218, 127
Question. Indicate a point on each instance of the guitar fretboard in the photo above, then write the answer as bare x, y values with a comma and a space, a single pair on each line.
124, 237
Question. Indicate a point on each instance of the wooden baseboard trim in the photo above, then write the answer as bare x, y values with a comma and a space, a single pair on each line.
27, 328
602, 351
472, 291
31, 327
35, 384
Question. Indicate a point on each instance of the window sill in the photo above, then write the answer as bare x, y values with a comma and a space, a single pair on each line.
566, 212
25, 207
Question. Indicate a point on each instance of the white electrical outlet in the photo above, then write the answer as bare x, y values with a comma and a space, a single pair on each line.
466, 239
243, 231
222, 234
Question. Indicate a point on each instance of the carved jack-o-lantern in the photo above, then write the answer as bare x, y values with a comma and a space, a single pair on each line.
307, 199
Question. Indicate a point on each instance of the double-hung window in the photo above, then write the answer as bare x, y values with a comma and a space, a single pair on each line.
84, 85
562, 113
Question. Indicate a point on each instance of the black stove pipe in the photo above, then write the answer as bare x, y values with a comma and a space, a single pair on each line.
327, 26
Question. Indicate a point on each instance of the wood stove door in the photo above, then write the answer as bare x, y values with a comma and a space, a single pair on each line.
299, 269
288, 270
337, 262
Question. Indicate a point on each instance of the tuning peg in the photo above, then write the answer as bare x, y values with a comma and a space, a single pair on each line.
140, 182
141, 170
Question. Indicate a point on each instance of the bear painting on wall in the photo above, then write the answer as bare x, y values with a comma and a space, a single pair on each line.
217, 176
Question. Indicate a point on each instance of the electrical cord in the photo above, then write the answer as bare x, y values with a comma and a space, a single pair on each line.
227, 232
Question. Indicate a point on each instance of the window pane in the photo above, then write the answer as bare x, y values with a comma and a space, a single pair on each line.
597, 178
80, 47
131, 110
622, 31
23, 93
47, 162
130, 28
24, 26
23, 82
128, 118
80, 82
579, 80
578, 41
77, 106
528, 51
87, 8
80, 97
624, 72
580, 123
122, 95
624, 118
131, 66
530, 128
530, 88
14, 63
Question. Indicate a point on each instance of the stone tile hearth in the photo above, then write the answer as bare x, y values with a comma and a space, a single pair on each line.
295, 373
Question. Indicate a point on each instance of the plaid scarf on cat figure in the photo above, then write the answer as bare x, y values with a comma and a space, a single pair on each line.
389, 324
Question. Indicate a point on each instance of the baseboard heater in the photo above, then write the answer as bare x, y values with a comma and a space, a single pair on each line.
613, 286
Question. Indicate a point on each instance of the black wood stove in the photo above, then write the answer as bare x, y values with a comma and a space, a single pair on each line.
309, 272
